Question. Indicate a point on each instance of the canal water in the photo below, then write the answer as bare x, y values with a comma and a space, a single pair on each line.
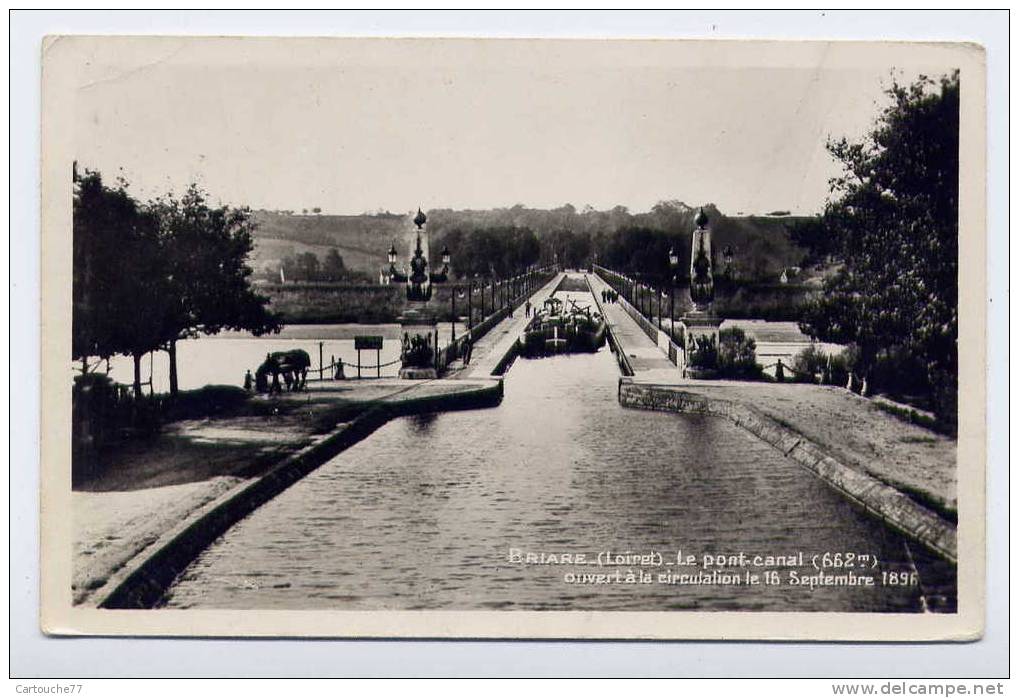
440, 512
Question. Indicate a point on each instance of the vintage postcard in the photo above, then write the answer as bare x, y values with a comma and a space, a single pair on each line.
478, 338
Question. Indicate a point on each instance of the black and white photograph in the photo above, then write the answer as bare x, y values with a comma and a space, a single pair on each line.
513, 338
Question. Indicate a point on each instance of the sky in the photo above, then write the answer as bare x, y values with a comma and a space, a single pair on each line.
353, 127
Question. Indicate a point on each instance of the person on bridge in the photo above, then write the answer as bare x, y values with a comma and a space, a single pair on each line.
468, 348
339, 370
248, 381
527, 308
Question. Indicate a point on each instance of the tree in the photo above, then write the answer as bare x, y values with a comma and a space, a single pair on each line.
814, 236
115, 274
204, 272
502, 251
308, 266
894, 216
333, 268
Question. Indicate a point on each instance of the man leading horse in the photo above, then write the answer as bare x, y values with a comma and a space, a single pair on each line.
292, 365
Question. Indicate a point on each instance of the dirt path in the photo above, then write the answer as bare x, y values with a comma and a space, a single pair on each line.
111, 528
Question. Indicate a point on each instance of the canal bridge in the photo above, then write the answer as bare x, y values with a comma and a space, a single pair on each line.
423, 511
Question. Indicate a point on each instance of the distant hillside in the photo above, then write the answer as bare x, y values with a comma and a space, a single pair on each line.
362, 241
762, 243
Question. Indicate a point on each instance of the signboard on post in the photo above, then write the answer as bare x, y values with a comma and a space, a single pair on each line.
369, 342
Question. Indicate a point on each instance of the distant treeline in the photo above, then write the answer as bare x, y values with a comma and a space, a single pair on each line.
496, 239
502, 241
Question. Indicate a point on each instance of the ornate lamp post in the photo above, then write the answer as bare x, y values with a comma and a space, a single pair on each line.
418, 278
659, 295
481, 291
673, 270
727, 255
419, 354
456, 291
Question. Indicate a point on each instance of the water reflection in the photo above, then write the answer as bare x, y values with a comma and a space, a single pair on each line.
423, 424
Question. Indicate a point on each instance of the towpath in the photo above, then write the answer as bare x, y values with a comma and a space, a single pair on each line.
648, 362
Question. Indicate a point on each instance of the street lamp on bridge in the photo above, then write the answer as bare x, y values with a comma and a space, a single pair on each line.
727, 255
457, 291
420, 350
418, 278
673, 279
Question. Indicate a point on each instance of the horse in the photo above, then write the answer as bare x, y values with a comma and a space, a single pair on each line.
293, 365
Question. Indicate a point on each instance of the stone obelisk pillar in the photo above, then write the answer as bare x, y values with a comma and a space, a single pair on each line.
700, 324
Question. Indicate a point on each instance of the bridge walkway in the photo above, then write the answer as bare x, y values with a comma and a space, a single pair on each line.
497, 342
647, 360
